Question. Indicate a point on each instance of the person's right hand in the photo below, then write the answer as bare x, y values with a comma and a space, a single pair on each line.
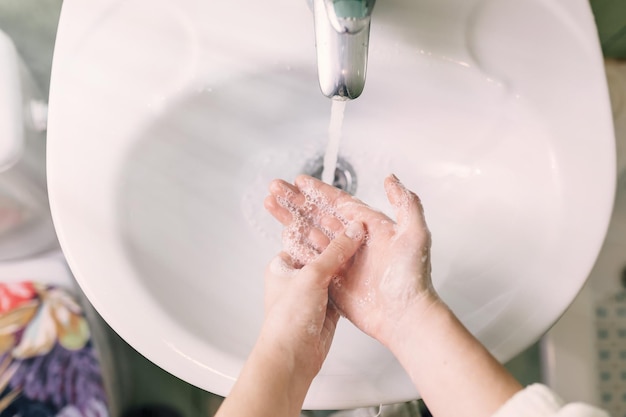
389, 275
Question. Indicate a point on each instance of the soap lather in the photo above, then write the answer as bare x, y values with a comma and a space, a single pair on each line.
342, 29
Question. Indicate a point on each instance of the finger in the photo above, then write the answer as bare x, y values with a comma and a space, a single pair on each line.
335, 208
288, 205
318, 236
279, 212
340, 250
408, 207
319, 239
331, 225
325, 196
317, 231
282, 190
298, 246
282, 187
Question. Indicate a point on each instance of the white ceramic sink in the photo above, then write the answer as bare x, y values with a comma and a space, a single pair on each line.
168, 119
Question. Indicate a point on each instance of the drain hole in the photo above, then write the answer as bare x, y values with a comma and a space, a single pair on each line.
345, 177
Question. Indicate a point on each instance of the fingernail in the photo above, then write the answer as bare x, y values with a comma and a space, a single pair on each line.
354, 230
393, 177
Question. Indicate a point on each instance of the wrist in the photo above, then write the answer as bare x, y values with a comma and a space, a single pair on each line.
269, 377
436, 350
417, 321
285, 365
269, 384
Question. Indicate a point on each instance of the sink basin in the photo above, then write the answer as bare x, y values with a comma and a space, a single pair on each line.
168, 120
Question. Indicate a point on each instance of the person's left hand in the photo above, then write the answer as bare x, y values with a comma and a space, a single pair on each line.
300, 321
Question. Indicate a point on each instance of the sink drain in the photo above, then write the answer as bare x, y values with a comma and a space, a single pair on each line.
345, 177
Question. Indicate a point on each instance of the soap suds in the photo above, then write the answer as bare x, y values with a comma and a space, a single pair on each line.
305, 218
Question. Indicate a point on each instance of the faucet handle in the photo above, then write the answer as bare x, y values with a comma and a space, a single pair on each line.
349, 16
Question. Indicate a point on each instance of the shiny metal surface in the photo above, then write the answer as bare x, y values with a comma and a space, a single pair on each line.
342, 31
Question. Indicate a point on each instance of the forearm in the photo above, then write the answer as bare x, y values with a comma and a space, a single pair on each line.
268, 386
451, 369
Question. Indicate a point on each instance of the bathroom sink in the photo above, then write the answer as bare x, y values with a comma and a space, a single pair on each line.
168, 120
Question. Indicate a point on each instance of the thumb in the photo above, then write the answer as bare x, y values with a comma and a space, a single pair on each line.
408, 207
341, 248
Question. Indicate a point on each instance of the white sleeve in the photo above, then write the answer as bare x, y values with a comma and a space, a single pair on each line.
539, 401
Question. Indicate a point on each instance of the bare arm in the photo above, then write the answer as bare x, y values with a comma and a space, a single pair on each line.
452, 370
268, 386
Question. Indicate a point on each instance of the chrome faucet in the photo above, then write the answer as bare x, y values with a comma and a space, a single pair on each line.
342, 30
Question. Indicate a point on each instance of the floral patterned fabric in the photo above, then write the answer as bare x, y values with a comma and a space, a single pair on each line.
48, 366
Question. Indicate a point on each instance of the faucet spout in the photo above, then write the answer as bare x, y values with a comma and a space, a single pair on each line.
342, 29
